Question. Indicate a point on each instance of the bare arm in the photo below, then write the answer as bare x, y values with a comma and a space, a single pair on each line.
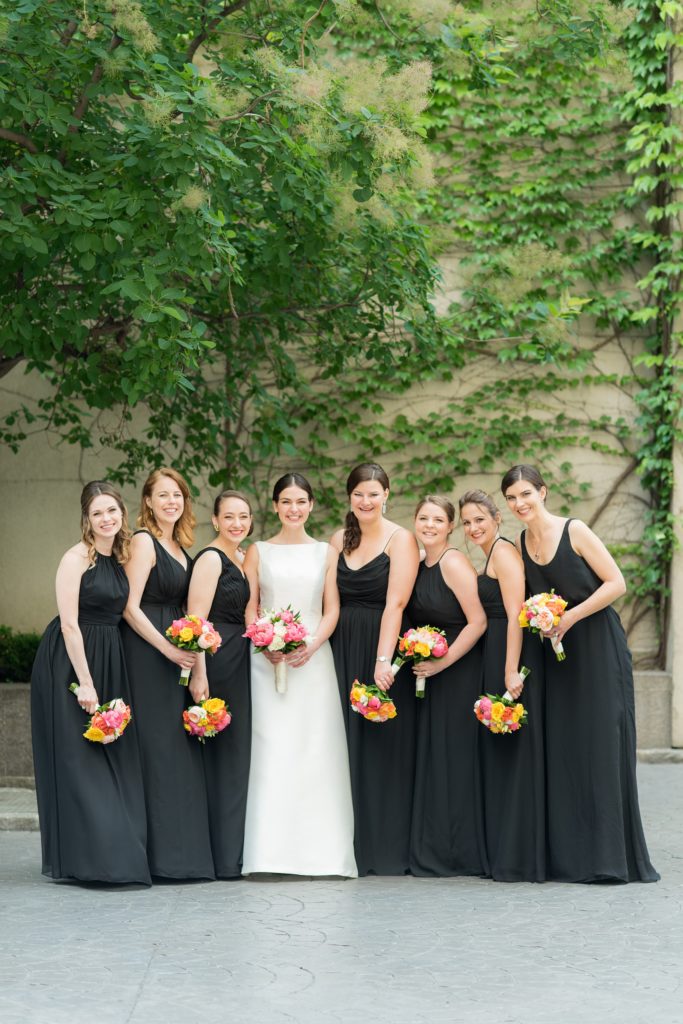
509, 570
251, 566
330, 615
405, 559
586, 544
138, 568
71, 569
461, 577
205, 575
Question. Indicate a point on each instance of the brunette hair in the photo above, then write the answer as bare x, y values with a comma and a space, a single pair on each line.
442, 502
523, 472
292, 480
481, 498
121, 547
224, 495
183, 531
358, 475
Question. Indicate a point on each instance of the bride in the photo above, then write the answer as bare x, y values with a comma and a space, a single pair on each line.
299, 811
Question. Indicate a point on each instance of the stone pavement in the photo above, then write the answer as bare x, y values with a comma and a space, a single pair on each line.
381, 951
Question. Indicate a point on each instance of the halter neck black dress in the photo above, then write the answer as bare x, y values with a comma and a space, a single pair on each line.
381, 756
227, 756
512, 766
178, 844
594, 831
90, 800
447, 835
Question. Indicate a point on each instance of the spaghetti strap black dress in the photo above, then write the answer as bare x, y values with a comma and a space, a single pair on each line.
178, 843
594, 831
512, 766
381, 756
227, 756
90, 799
447, 835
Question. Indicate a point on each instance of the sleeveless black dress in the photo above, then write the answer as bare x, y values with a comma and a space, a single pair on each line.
178, 844
90, 798
227, 756
512, 767
594, 831
447, 835
381, 756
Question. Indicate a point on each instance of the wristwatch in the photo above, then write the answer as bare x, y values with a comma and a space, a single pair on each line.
382, 658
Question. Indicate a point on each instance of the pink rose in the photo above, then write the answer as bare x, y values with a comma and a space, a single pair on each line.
287, 616
295, 633
545, 619
374, 703
261, 634
440, 647
208, 639
195, 715
113, 718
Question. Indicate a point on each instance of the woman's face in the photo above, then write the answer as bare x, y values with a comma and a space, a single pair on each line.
105, 517
233, 521
166, 501
524, 500
367, 499
293, 506
479, 525
432, 526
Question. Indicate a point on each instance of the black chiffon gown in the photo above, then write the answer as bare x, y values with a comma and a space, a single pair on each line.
447, 835
512, 766
178, 843
594, 831
381, 756
227, 756
90, 798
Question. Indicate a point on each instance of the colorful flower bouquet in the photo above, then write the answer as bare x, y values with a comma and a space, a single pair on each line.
500, 714
108, 722
193, 634
206, 719
371, 702
278, 631
540, 613
419, 645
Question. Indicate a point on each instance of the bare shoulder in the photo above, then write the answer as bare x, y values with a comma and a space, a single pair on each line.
252, 556
75, 559
142, 541
454, 561
332, 555
505, 556
209, 558
337, 540
401, 542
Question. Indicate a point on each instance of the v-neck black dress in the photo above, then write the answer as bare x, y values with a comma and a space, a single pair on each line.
178, 843
594, 831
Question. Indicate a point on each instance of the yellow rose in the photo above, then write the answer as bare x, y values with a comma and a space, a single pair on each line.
391, 713
496, 711
94, 734
523, 621
213, 705
421, 649
185, 634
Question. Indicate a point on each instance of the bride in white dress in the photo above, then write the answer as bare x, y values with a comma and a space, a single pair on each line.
299, 810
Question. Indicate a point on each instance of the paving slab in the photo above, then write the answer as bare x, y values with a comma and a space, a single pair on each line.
369, 951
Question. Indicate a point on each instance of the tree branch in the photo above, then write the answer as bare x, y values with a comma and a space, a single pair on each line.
632, 466
68, 33
305, 29
20, 140
214, 23
84, 99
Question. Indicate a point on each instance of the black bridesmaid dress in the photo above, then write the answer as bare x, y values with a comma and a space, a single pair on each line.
227, 756
447, 835
512, 766
90, 798
178, 843
594, 831
381, 756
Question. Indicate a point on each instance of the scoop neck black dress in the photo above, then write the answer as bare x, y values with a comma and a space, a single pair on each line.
594, 830
227, 756
512, 766
178, 843
90, 799
381, 756
447, 835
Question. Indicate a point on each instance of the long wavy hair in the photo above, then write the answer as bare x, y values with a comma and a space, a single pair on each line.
183, 531
358, 475
121, 548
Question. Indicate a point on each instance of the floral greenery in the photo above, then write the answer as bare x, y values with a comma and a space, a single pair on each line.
17, 653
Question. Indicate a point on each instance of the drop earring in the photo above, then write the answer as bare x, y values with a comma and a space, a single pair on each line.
384, 508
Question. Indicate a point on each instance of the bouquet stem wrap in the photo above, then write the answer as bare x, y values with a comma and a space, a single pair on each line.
281, 677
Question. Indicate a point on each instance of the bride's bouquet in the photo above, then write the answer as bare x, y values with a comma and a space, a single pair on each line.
108, 722
278, 631
371, 702
540, 613
193, 633
419, 645
206, 719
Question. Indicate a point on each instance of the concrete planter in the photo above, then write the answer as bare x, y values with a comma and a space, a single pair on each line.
16, 759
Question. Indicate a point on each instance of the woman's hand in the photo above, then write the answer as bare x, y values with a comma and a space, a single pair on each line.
301, 655
514, 684
384, 677
86, 695
566, 622
186, 659
432, 667
274, 657
199, 688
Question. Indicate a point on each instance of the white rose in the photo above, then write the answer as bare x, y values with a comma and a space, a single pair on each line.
280, 628
276, 644
203, 642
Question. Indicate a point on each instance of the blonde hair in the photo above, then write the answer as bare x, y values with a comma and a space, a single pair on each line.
183, 531
441, 502
481, 499
121, 547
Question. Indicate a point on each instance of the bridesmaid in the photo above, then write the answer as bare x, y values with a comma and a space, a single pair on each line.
90, 800
512, 768
178, 844
447, 835
594, 831
219, 591
376, 571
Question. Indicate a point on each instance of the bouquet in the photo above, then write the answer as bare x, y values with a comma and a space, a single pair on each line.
420, 644
540, 613
371, 702
193, 634
108, 722
207, 719
278, 631
501, 714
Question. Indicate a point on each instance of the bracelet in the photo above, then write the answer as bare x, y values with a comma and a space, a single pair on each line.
382, 657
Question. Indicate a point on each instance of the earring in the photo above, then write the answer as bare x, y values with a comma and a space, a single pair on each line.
384, 508
216, 529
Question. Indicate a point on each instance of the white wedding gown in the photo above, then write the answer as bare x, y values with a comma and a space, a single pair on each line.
299, 809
